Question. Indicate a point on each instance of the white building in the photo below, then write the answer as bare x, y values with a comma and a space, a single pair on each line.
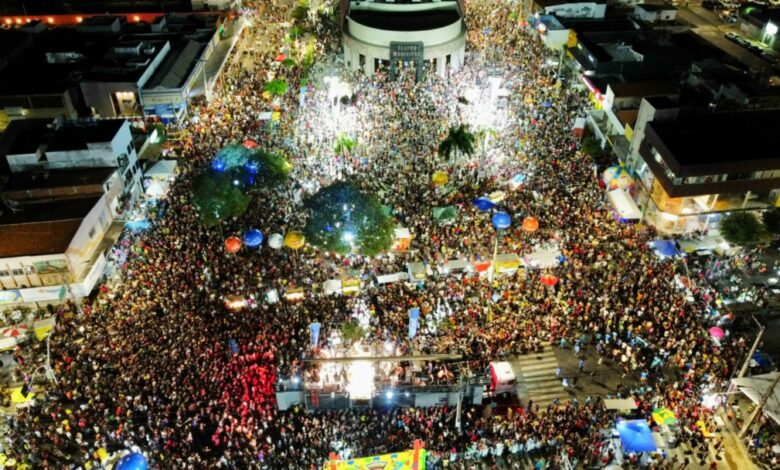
390, 35
39, 145
68, 184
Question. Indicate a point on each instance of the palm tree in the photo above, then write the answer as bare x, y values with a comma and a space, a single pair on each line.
459, 140
276, 87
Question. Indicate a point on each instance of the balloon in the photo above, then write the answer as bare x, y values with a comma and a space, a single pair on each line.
440, 178
501, 220
250, 144
530, 224
232, 244
483, 203
275, 241
132, 461
253, 238
294, 240
102, 454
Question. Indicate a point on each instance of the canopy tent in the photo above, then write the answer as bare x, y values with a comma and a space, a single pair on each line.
636, 436
507, 263
445, 214
418, 271
621, 404
332, 286
390, 278
543, 258
756, 386
624, 205
455, 265
663, 416
402, 239
163, 169
158, 177
43, 327
664, 248
7, 343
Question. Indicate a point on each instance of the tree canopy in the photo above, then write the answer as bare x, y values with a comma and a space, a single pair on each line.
771, 219
741, 228
276, 87
342, 218
459, 140
216, 198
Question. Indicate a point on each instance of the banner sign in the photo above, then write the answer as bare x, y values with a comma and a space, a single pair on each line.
414, 321
314, 332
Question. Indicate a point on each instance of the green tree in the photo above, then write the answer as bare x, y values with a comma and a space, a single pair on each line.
771, 219
230, 157
276, 87
592, 147
301, 11
741, 228
344, 144
268, 168
459, 140
342, 218
217, 198
351, 331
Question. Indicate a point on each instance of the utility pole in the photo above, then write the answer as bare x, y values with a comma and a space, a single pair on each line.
760, 406
744, 369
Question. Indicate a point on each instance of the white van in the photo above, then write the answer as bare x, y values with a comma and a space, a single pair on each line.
502, 379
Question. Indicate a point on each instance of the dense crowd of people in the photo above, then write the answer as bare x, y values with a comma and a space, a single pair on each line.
153, 368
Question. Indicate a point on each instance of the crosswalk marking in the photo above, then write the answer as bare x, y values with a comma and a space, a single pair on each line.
536, 377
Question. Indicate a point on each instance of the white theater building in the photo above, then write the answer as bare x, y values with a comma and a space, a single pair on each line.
403, 33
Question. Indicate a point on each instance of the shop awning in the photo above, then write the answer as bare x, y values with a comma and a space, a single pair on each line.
624, 205
163, 169
623, 404
756, 387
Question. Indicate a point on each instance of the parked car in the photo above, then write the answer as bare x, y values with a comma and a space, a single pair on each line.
728, 16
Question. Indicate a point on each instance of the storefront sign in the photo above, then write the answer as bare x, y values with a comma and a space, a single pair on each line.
11, 296
41, 294
406, 52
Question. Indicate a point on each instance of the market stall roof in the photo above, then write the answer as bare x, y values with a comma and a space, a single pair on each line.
664, 248
619, 404
624, 204
163, 169
636, 436
756, 386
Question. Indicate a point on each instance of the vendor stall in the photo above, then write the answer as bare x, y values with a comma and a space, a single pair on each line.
158, 178
624, 206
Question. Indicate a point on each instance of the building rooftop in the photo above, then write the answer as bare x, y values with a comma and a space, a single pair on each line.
53, 179
744, 136
77, 136
177, 66
644, 88
126, 61
42, 229
405, 20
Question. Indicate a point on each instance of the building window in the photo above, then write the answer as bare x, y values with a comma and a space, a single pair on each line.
29, 269
4, 273
17, 272
92, 233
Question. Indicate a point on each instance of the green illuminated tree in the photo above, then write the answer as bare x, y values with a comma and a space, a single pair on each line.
217, 197
344, 144
342, 218
267, 168
741, 228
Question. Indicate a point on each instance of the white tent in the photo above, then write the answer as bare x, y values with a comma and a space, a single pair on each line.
163, 169
543, 258
755, 387
622, 404
388, 278
624, 205
332, 286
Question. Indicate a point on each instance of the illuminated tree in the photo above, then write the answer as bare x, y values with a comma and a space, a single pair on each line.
342, 218
217, 197
276, 87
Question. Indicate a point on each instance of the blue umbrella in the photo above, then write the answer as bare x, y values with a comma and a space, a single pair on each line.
501, 220
636, 436
484, 204
253, 238
547, 104
518, 179
132, 461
